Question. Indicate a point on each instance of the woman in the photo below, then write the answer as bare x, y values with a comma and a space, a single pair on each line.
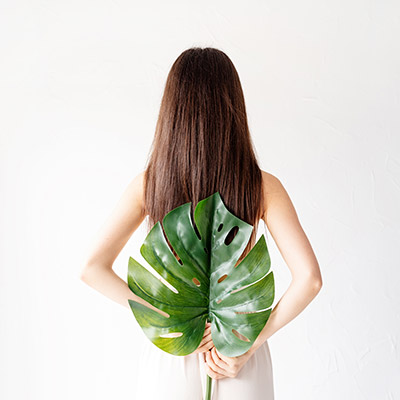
202, 144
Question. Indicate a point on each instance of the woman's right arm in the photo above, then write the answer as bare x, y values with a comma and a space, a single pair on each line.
97, 270
285, 228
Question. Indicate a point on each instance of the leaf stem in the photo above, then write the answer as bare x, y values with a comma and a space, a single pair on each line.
209, 379
208, 388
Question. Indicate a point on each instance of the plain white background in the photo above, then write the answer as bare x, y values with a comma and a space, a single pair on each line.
80, 89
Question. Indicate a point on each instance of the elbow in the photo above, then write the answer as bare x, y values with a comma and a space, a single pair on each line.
90, 272
316, 284
314, 279
311, 282
84, 274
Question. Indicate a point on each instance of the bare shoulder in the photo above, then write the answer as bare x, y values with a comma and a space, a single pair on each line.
271, 183
275, 194
138, 181
136, 189
281, 218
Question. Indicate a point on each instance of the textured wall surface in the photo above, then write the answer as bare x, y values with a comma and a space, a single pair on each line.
80, 87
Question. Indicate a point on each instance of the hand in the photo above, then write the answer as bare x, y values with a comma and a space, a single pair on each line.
218, 366
206, 343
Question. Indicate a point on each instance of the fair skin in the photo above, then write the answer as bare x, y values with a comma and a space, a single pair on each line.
284, 226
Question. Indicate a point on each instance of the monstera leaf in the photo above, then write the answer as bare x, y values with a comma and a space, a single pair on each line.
204, 283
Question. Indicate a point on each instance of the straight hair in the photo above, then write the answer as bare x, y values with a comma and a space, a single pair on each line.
202, 142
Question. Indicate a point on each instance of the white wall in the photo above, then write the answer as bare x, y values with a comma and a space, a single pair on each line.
80, 87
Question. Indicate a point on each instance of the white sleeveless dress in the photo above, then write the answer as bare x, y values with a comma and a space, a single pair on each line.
163, 376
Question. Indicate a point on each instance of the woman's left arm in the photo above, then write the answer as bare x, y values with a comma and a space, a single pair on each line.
285, 228
283, 224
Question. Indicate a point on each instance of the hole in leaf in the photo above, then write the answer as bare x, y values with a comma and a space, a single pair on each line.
236, 290
222, 278
220, 227
231, 235
196, 281
196, 230
176, 255
168, 285
205, 249
171, 335
240, 336
162, 280
242, 287
247, 312
219, 301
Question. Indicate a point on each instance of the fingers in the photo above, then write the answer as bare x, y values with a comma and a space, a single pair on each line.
206, 337
207, 334
205, 347
207, 331
206, 342
226, 360
212, 374
215, 365
215, 355
209, 371
209, 345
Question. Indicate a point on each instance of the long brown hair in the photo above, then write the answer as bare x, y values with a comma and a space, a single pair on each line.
202, 142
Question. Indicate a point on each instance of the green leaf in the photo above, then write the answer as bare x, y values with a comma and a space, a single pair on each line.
206, 285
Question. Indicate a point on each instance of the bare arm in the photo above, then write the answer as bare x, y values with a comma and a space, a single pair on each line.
283, 224
97, 270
